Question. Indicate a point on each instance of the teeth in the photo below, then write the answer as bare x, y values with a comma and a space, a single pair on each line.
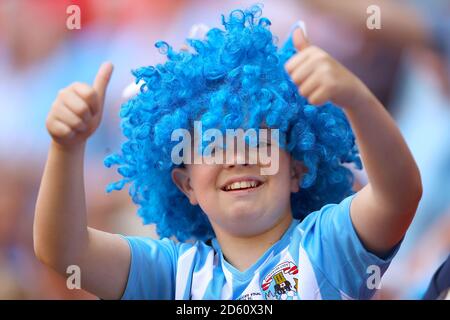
241, 185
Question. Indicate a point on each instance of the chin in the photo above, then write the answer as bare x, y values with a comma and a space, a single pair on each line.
244, 213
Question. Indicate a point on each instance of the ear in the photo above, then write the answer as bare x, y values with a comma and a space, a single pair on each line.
182, 180
297, 171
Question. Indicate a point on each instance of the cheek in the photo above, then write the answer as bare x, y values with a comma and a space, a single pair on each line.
203, 183
203, 179
284, 179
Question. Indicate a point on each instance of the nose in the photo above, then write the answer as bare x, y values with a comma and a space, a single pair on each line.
237, 158
236, 161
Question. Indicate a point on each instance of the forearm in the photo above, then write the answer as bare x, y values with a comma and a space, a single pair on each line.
382, 211
60, 225
390, 166
61, 235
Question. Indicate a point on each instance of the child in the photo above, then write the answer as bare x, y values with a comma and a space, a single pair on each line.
297, 234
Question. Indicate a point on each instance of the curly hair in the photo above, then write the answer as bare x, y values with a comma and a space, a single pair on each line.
234, 78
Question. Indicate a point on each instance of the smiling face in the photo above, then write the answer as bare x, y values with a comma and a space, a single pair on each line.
236, 198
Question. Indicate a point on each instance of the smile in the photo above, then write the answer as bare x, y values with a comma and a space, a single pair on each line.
242, 184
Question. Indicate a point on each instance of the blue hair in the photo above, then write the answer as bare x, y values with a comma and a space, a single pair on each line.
235, 78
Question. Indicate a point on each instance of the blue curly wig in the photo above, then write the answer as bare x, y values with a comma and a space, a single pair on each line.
235, 78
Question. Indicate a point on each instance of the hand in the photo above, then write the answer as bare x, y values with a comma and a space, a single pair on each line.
320, 78
77, 110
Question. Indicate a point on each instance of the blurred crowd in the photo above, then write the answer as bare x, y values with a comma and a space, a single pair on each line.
406, 64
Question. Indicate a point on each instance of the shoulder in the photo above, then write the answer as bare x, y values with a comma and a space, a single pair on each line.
147, 244
333, 214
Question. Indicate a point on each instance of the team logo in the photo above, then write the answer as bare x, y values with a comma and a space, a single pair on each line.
281, 283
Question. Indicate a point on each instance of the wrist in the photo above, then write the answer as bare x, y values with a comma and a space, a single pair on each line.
361, 98
66, 149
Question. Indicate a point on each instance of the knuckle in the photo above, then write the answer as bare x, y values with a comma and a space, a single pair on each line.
303, 91
76, 85
61, 93
83, 89
49, 123
58, 131
65, 132
78, 123
89, 91
81, 109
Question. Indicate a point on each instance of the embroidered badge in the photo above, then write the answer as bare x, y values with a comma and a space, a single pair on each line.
281, 283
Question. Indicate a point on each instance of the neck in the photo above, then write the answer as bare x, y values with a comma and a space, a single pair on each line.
242, 252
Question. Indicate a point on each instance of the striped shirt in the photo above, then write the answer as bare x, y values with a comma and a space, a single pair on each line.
320, 257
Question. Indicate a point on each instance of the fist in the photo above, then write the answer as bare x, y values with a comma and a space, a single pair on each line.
77, 110
320, 78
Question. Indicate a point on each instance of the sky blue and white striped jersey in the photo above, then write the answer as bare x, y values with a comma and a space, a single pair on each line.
320, 257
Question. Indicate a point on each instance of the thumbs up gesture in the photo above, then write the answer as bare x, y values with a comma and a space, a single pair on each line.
320, 78
77, 110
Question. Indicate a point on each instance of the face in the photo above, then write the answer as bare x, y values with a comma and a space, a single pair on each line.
236, 198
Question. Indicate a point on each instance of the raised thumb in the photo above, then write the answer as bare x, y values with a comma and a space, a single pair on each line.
299, 39
101, 80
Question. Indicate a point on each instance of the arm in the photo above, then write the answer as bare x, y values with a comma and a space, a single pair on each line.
61, 235
383, 210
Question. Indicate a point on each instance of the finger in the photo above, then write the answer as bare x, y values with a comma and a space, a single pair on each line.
300, 40
297, 60
318, 97
87, 93
68, 117
302, 72
61, 130
301, 58
310, 84
101, 81
77, 105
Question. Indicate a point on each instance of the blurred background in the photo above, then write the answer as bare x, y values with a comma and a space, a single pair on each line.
406, 64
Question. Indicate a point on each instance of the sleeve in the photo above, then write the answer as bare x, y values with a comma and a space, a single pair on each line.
440, 282
152, 269
338, 255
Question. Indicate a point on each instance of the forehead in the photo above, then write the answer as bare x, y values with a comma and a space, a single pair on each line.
198, 134
284, 160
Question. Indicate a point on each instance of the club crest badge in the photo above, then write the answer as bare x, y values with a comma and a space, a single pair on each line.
281, 283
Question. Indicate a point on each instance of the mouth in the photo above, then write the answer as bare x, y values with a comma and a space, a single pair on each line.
242, 184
